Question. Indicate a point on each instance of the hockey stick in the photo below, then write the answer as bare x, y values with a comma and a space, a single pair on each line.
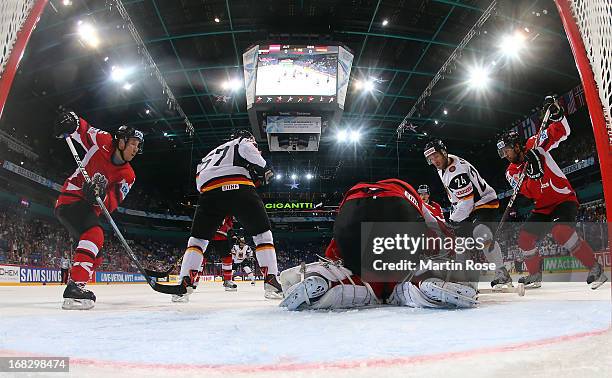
166, 289
519, 183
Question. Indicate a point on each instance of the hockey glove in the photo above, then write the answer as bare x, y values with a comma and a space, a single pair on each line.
95, 187
534, 169
556, 110
65, 124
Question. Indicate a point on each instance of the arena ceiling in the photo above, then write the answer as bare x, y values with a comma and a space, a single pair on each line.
196, 55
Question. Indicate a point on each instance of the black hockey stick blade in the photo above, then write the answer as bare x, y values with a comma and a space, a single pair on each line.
169, 289
158, 274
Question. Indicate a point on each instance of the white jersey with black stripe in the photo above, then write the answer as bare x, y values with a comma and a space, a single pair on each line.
466, 189
228, 161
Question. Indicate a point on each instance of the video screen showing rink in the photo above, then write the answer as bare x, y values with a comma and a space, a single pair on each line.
307, 70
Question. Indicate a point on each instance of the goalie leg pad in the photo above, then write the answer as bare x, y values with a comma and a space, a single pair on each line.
301, 295
433, 293
451, 293
331, 272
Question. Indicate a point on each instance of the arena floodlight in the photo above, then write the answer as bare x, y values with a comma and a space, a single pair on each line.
67, 3
88, 34
354, 136
294, 177
232, 85
342, 136
127, 86
278, 176
385, 22
512, 44
368, 86
118, 73
445, 112
309, 176
478, 78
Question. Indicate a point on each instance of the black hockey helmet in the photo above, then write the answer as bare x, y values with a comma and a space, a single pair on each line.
242, 134
126, 132
433, 146
508, 140
423, 189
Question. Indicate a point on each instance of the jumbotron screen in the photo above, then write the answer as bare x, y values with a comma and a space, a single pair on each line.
284, 70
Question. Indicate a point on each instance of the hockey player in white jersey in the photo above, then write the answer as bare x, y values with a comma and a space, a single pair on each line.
474, 203
226, 179
241, 255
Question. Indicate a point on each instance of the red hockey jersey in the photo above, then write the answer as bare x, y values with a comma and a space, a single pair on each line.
99, 149
435, 209
226, 226
553, 187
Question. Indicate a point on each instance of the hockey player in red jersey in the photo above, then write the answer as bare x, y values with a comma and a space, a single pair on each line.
556, 204
107, 161
335, 284
221, 243
433, 206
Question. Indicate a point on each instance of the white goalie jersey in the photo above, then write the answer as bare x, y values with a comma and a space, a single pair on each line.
466, 189
240, 254
225, 166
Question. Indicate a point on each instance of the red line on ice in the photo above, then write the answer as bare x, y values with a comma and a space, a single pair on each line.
346, 364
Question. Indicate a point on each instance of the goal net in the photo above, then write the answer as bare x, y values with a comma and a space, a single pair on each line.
17, 21
588, 25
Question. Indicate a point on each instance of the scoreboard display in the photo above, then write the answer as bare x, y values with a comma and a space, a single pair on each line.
284, 70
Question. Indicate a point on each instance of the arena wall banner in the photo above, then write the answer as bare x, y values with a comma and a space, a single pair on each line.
28, 274
30, 175
9, 274
122, 277
562, 264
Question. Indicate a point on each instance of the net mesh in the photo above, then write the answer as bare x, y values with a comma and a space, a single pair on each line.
13, 14
594, 20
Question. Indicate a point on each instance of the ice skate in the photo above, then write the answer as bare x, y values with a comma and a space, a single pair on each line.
76, 297
230, 285
272, 288
532, 281
502, 279
597, 276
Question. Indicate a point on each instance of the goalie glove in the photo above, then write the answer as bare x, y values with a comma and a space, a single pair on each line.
96, 187
65, 124
556, 110
534, 169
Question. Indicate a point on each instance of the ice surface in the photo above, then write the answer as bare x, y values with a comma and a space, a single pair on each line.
133, 324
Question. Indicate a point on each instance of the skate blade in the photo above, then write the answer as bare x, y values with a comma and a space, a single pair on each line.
273, 295
180, 298
231, 289
596, 284
534, 285
500, 287
77, 304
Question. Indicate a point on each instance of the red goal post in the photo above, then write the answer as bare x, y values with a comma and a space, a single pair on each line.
17, 21
588, 26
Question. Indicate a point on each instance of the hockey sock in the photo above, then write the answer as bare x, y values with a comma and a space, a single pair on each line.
533, 264
194, 254
584, 253
265, 253
579, 248
85, 256
226, 265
